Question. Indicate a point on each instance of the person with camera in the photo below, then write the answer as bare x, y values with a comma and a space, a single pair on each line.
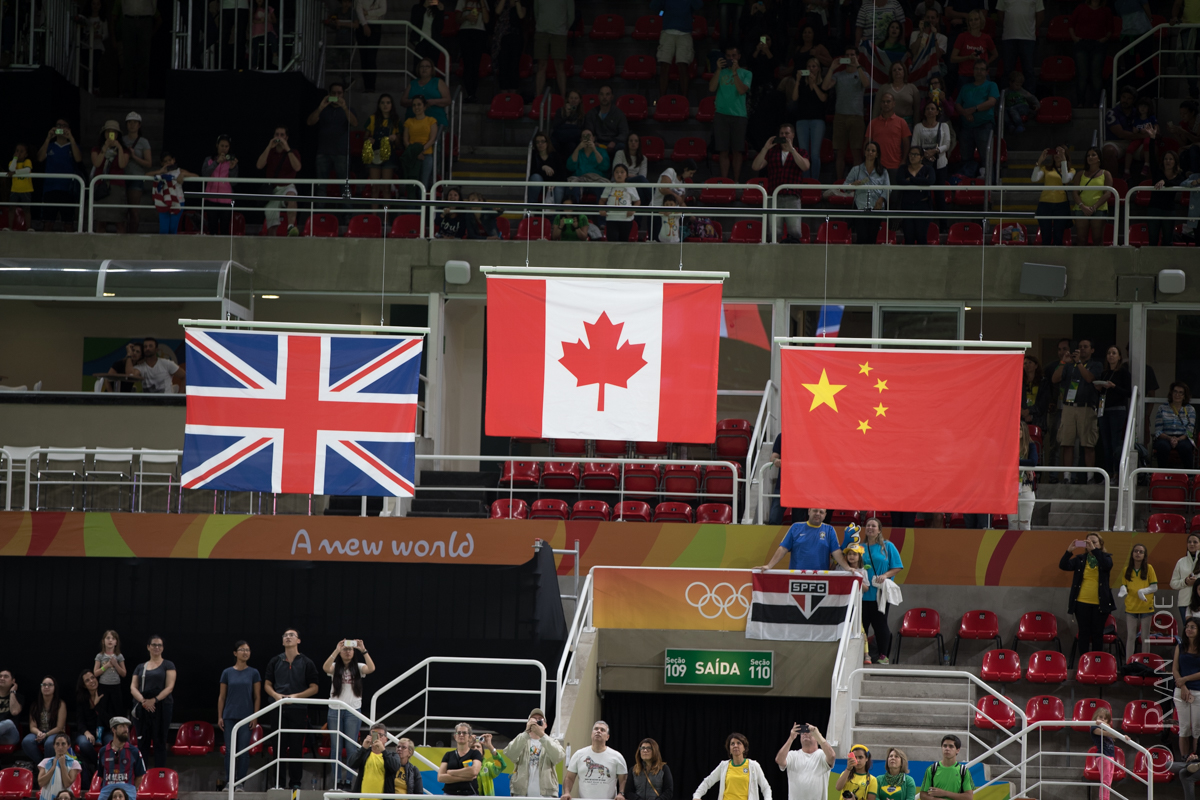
807, 768
493, 765
60, 154
534, 756
588, 163
376, 766
347, 686
109, 157
1091, 598
851, 81
1053, 169
281, 162
1078, 397
785, 165
460, 767
857, 782
731, 84
738, 776
223, 165
333, 119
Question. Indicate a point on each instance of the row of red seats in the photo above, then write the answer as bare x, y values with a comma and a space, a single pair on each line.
639, 480
1170, 490
1172, 523
1140, 716
625, 511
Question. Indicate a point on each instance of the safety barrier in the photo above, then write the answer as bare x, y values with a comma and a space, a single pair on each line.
1184, 33
75, 208
406, 49
1141, 236
567, 671
297, 36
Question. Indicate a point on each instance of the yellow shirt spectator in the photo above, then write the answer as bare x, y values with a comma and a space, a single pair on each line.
737, 780
420, 131
21, 185
1133, 603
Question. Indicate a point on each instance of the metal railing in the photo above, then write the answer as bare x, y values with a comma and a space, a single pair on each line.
1190, 187
763, 435
1177, 31
40, 33
1126, 484
297, 45
576, 552
1028, 787
843, 664
408, 52
568, 670
76, 208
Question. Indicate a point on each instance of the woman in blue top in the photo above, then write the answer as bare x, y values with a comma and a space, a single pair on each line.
1175, 425
869, 173
883, 560
240, 697
433, 89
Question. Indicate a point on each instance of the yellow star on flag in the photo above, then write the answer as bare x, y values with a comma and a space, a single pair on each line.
881, 410
823, 392
881, 385
865, 369
863, 426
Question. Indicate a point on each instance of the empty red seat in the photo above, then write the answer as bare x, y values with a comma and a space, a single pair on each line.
600, 476
1037, 626
1166, 523
1058, 69
638, 68
588, 102
591, 509
1046, 666
647, 28
549, 508
159, 784
1091, 767
713, 195
1054, 111
1060, 29
325, 225
515, 508
535, 109
16, 784
1085, 709
1045, 708
533, 228
365, 226
1139, 234
716, 513
733, 438
977, 624
634, 106
718, 481
992, 713
707, 111
521, 474
966, 233
844, 517
692, 147
747, 231
653, 147
652, 449
1142, 716
195, 738
1001, 666
569, 447
1164, 629
672, 512
607, 27
921, 623
681, 479
1098, 668
672, 108
598, 67
641, 480
560, 475
754, 197
833, 232
632, 511
406, 226
1162, 758
507, 105
1151, 661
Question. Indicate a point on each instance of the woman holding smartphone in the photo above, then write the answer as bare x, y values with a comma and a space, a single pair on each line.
347, 686
1091, 598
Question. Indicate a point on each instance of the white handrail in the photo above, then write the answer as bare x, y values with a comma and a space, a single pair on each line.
1124, 488
790, 340
579, 624
1130, 201
1118, 75
760, 427
837, 680
70, 176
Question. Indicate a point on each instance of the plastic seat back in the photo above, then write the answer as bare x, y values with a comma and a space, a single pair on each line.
550, 508
631, 511
1046, 708
717, 513
510, 509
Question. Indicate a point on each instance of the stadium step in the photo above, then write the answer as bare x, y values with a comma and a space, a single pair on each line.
910, 688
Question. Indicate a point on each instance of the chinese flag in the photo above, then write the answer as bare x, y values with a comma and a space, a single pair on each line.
896, 430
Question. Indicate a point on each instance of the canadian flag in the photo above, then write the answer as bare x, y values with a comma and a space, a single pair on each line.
588, 358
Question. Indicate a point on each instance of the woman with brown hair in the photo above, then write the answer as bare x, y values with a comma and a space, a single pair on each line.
739, 775
1091, 599
651, 775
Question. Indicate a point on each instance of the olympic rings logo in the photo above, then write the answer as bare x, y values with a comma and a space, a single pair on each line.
731, 602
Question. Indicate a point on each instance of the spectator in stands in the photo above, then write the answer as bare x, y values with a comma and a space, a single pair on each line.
762, 63
553, 18
47, 716
1091, 599
809, 545
264, 38
1175, 426
603, 783
857, 778
109, 157
738, 776
481, 224
566, 128
971, 46
1115, 385
810, 46
11, 706
545, 165
152, 686
1053, 212
157, 373
339, 54
449, 224
675, 41
1186, 573
473, 18
731, 83
291, 674
608, 124
1136, 19
346, 685
428, 16
569, 227
333, 119
1138, 589
433, 89
1145, 129
140, 161
873, 20
895, 783
1188, 13
618, 223
947, 779
919, 39
120, 763
1035, 394
240, 697
534, 756
374, 766
851, 80
906, 97
121, 367
785, 164
461, 765
1078, 398
891, 133
382, 126
637, 166
1091, 205
660, 193
915, 173
588, 162
280, 161
493, 765
1187, 132
508, 43
1090, 29
807, 768
868, 173
418, 137
669, 223
1120, 127
809, 101
58, 771
223, 165
1020, 20
1019, 103
884, 563
168, 193
652, 778
21, 189
933, 137
1165, 172
60, 154
408, 777
893, 45
93, 710
976, 105
1185, 667
109, 665
1027, 456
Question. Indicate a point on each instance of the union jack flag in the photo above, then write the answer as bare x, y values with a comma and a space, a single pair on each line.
301, 413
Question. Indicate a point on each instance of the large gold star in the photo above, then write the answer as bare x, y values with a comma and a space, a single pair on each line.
865, 369
863, 426
881, 385
881, 410
823, 392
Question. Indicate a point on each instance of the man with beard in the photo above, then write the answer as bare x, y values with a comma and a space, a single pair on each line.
119, 763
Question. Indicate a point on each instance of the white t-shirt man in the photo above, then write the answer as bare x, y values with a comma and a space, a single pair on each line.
156, 379
535, 764
807, 775
596, 773
1020, 18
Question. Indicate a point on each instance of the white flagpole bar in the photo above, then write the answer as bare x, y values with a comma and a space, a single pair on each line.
785, 340
298, 326
605, 273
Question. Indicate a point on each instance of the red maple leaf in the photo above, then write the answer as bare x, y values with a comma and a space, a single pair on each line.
604, 362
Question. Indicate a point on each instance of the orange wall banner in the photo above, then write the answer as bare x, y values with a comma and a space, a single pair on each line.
672, 599
949, 556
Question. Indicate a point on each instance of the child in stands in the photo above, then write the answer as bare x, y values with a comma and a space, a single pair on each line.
1105, 749
21, 191
168, 193
669, 232
1019, 102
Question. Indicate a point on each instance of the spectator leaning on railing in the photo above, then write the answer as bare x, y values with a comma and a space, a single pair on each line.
869, 173
291, 674
168, 193
1165, 173
109, 157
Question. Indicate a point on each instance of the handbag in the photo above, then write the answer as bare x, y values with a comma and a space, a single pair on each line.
133, 712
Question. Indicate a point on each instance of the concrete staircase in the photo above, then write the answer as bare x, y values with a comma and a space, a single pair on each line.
1069, 507
920, 706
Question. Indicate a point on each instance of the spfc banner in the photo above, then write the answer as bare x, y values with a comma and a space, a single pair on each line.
799, 606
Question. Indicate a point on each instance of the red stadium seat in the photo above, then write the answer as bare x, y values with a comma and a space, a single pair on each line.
607, 27
1085, 709
1001, 666
717, 237
699, 27
591, 509
1168, 487
747, 231
733, 438
510, 509
549, 508
365, 226
673, 512
652, 449
535, 109
601, 477
1142, 199
708, 110
1142, 716
647, 28
673, 72
653, 147
970, 197
16, 784
1045, 708
569, 447
1164, 629
1058, 69
507, 105
598, 67
1091, 767
966, 233
638, 68
1151, 661
717, 513
159, 784
633, 106
718, 482
533, 228
834, 232
324, 225
521, 474
692, 147
681, 479
561, 475
1054, 111
710, 195
632, 511
1097, 668
843, 517
1046, 666
641, 480
1139, 234
610, 448
992, 713
588, 102
1060, 29
978, 624
921, 623
94, 790
406, 226
194, 738
1166, 523
887, 235
1162, 758
1037, 626
810, 197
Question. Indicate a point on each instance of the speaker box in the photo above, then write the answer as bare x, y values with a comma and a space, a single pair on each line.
1044, 280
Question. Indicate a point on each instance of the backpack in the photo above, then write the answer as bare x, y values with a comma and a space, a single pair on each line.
962, 775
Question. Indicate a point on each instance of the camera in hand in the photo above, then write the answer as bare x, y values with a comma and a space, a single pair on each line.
804, 728
59, 131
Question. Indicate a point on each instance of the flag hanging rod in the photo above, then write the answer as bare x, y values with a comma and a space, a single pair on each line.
783, 340
606, 273
301, 326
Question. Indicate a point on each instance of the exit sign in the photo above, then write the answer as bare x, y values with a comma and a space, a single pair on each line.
719, 667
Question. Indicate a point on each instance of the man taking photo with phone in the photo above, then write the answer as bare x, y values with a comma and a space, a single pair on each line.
731, 83
807, 768
534, 756
376, 767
